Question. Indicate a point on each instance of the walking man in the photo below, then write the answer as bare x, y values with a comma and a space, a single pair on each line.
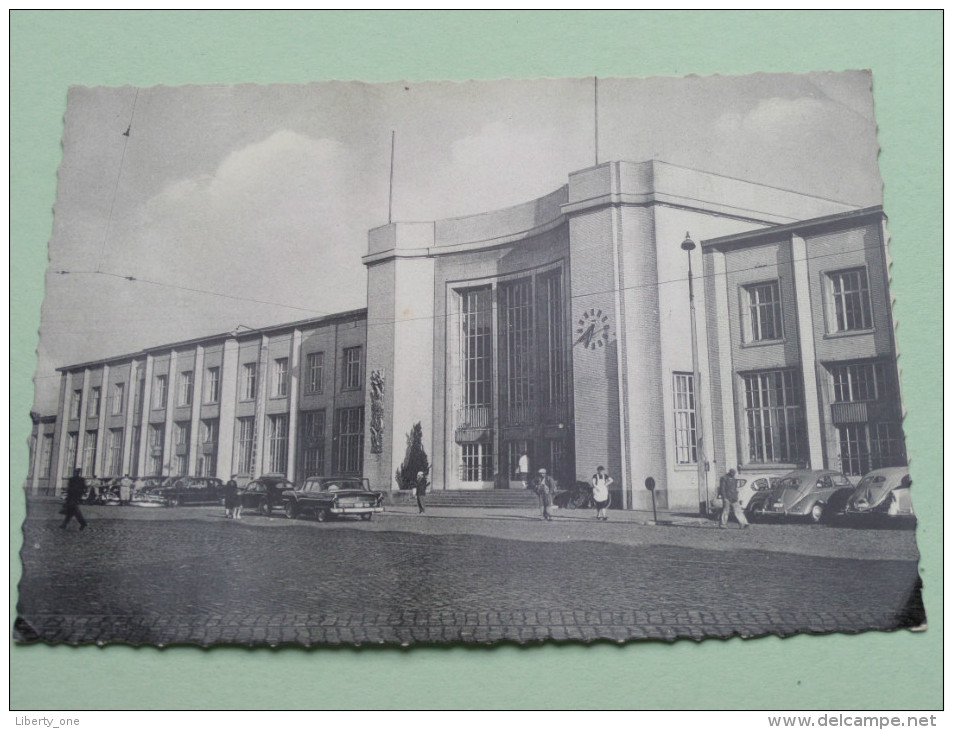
74, 495
600, 492
420, 491
545, 489
728, 490
522, 470
231, 498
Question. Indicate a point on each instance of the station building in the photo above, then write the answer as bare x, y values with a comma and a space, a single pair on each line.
560, 328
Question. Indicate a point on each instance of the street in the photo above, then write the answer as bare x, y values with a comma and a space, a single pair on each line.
188, 575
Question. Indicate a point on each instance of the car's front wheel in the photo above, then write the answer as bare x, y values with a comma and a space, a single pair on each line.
173, 501
264, 508
322, 515
817, 512
292, 511
367, 516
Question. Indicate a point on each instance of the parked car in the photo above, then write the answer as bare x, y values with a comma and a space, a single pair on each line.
191, 491
265, 493
326, 497
748, 485
883, 495
804, 493
147, 491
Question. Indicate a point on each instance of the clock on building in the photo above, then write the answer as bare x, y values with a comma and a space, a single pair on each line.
592, 329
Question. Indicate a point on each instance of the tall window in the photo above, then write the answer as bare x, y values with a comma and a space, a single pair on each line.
156, 448
774, 416
212, 384
246, 445
186, 386
349, 451
95, 395
278, 443
72, 439
161, 396
118, 398
208, 448
46, 455
477, 464
249, 381
281, 376
312, 443
352, 368
477, 355
76, 404
849, 300
315, 383
516, 339
683, 388
181, 431
554, 343
114, 452
855, 382
764, 312
89, 454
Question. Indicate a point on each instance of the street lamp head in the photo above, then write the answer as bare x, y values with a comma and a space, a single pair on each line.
688, 244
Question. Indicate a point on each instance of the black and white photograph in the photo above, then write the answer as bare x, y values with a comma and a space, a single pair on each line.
528, 360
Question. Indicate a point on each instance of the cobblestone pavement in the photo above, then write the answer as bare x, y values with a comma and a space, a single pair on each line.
160, 576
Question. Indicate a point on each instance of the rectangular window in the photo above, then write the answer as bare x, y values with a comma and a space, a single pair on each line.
186, 385
312, 443
89, 454
118, 398
249, 381
315, 382
554, 334
46, 456
76, 404
352, 368
683, 388
763, 307
246, 445
477, 462
856, 382
868, 446
208, 448
156, 448
278, 443
72, 439
212, 384
349, 452
774, 417
95, 395
114, 453
161, 396
281, 377
477, 354
849, 298
181, 431
516, 343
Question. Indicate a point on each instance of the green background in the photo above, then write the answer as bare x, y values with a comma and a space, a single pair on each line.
53, 49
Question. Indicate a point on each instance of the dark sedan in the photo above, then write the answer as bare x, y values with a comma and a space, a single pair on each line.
192, 491
264, 494
326, 497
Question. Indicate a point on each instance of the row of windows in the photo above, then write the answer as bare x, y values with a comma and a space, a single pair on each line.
847, 295
349, 446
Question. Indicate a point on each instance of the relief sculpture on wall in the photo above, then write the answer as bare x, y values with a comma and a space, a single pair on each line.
377, 411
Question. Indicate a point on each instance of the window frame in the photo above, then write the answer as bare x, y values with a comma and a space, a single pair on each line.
213, 384
186, 389
249, 381
315, 365
864, 299
682, 413
352, 372
279, 378
753, 309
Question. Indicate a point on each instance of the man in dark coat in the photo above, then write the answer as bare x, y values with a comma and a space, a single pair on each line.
421, 490
75, 489
728, 490
545, 489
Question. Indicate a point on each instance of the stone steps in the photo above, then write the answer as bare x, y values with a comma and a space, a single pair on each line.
489, 498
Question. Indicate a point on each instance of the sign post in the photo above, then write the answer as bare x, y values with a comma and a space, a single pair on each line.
650, 485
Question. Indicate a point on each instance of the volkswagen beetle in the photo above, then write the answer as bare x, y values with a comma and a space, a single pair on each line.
883, 495
808, 494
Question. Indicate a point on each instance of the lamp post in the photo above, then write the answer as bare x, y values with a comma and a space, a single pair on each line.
688, 245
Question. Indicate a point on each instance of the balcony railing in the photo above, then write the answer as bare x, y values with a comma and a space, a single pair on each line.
474, 417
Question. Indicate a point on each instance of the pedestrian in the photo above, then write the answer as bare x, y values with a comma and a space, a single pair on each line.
125, 490
522, 469
545, 489
728, 491
421, 490
600, 492
231, 498
74, 495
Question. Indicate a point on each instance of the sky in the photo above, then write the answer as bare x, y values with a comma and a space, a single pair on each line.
250, 205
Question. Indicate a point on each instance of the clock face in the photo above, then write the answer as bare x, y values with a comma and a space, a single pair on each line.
592, 329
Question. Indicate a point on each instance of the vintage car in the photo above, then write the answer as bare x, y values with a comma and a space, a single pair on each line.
264, 494
749, 483
806, 494
883, 495
191, 491
146, 491
326, 497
